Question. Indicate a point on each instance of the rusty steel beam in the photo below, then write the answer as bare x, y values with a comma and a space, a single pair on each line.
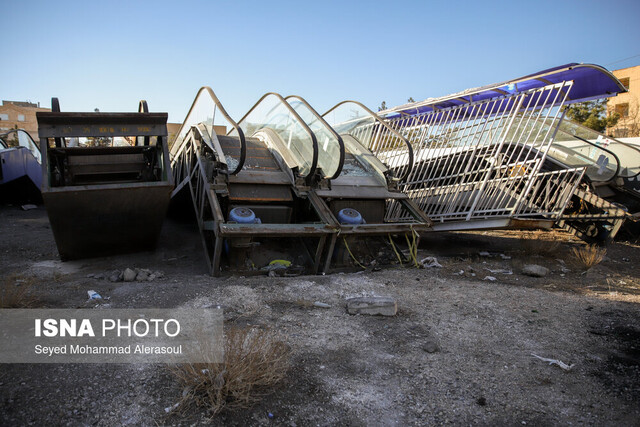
56, 125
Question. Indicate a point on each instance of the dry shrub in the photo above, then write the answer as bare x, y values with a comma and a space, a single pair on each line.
541, 243
588, 256
16, 292
254, 361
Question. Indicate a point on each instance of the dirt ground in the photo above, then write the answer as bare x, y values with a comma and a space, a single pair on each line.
459, 351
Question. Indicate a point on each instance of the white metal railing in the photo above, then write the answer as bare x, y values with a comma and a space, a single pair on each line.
483, 159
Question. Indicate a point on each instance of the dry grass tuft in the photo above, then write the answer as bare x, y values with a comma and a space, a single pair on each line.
541, 243
588, 256
254, 361
16, 292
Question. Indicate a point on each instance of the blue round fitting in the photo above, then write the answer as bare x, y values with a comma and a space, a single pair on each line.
350, 216
242, 216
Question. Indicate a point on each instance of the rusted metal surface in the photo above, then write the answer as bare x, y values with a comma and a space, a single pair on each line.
275, 230
52, 125
100, 220
104, 200
495, 224
278, 184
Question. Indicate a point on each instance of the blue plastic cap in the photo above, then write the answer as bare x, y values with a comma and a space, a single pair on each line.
242, 216
350, 216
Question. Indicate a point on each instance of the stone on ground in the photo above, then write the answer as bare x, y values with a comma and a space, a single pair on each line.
534, 270
382, 306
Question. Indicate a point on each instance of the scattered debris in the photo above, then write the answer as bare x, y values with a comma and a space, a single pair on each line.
321, 304
28, 207
383, 306
129, 275
431, 347
173, 407
484, 254
505, 257
499, 271
535, 270
281, 267
281, 262
459, 273
430, 262
490, 278
557, 362
93, 295
143, 275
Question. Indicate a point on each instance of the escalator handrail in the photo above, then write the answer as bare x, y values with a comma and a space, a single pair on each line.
326, 125
3, 134
617, 159
389, 128
33, 144
243, 142
607, 149
617, 141
307, 129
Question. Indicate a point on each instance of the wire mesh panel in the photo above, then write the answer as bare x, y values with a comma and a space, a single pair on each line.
483, 159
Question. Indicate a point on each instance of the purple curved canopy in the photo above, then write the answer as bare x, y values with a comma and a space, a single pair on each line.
590, 82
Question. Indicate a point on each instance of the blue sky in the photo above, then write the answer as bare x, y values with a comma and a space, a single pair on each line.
110, 54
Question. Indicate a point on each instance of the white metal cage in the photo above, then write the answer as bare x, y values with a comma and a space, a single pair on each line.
483, 159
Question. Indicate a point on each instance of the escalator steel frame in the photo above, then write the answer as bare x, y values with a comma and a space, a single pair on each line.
213, 226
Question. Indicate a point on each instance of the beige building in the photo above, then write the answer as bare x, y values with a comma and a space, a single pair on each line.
626, 104
20, 115
174, 128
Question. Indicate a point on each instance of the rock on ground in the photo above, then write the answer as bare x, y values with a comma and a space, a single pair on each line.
129, 275
534, 270
383, 306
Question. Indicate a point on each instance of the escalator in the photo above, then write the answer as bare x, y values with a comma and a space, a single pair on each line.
275, 185
609, 196
251, 193
377, 158
20, 165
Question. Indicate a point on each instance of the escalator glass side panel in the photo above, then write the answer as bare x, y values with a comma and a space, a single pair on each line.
389, 146
204, 111
628, 155
272, 114
571, 151
328, 144
25, 140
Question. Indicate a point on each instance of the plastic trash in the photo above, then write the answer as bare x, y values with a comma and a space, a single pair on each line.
321, 304
172, 407
94, 295
556, 362
282, 262
430, 262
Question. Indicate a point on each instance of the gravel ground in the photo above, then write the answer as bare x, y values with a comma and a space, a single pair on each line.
459, 351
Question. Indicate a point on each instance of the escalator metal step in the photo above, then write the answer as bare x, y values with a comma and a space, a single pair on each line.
259, 193
258, 155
